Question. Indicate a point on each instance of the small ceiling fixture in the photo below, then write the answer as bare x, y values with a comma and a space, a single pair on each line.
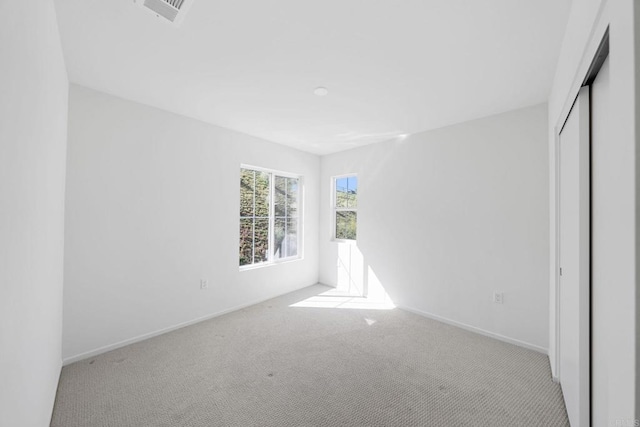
321, 91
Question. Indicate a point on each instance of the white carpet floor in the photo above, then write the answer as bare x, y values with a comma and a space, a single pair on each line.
276, 365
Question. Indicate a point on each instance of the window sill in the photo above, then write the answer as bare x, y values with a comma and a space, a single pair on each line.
347, 241
269, 264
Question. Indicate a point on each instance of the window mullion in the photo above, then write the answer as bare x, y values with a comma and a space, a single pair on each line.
271, 245
253, 223
285, 243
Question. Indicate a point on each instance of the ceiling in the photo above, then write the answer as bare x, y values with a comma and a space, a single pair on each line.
392, 67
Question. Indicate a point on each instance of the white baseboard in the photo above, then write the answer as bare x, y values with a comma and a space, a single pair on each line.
477, 330
106, 348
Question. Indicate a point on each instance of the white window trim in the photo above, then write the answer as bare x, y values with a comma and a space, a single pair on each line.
335, 209
270, 258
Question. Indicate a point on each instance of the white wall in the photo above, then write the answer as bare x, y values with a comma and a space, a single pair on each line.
152, 207
448, 216
33, 126
588, 22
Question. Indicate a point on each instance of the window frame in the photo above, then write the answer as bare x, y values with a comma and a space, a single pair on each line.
271, 260
335, 209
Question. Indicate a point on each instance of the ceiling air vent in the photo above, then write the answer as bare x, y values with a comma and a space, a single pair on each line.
171, 10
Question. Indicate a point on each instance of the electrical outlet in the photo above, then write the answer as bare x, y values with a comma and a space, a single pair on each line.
498, 297
204, 284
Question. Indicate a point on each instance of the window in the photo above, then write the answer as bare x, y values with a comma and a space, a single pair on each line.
345, 202
269, 216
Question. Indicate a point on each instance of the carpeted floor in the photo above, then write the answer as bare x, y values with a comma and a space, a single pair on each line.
276, 365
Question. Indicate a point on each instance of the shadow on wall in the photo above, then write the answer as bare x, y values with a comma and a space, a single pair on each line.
357, 287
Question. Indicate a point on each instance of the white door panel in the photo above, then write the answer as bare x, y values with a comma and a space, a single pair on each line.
574, 261
604, 249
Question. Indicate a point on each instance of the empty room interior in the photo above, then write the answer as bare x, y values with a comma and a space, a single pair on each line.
342, 213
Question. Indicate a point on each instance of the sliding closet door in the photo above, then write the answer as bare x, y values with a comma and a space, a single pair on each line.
574, 260
604, 248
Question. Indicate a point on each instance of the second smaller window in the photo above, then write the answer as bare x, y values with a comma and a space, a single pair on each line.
345, 202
